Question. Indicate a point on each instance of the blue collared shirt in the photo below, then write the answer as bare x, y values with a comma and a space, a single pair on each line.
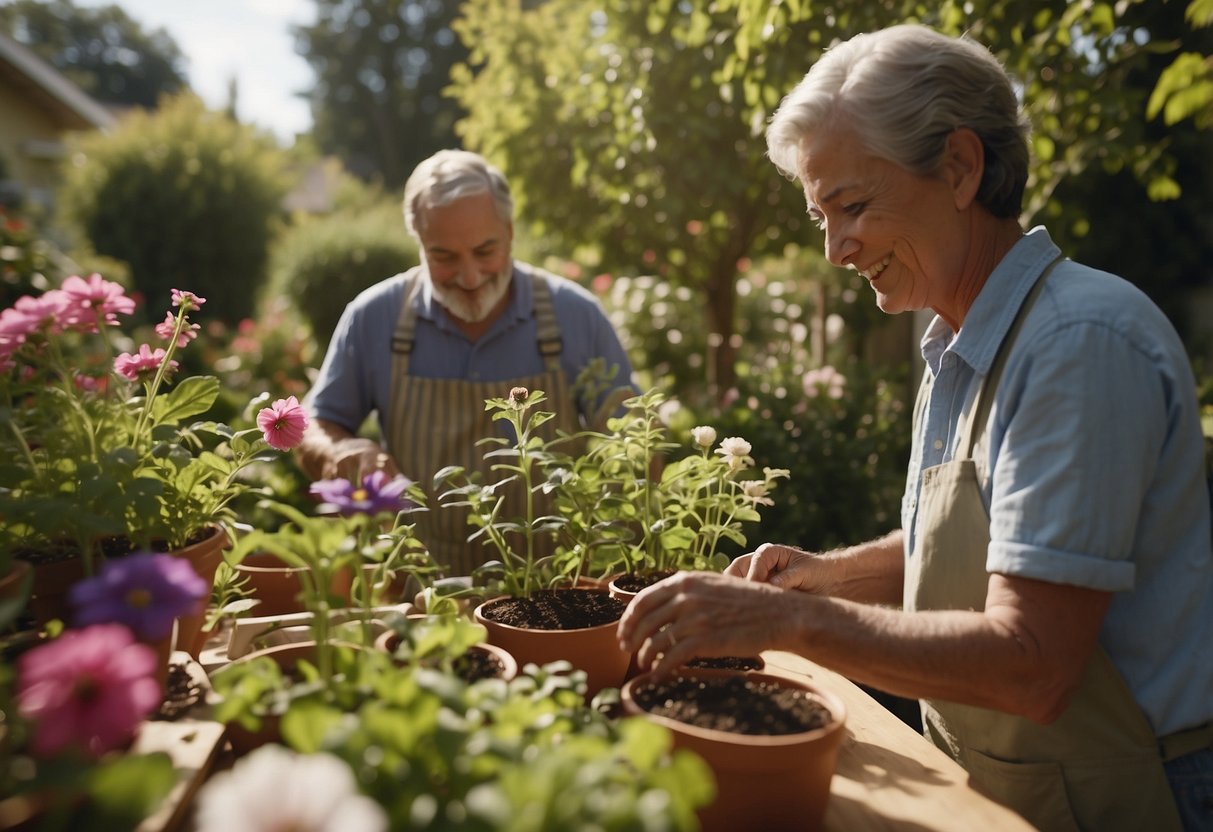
1096, 463
355, 378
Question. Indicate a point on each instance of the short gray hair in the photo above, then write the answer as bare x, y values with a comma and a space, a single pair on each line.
905, 89
450, 175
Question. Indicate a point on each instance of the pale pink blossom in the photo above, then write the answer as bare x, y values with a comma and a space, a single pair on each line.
145, 362
182, 297
311, 793
824, 379
95, 301
283, 423
736, 452
704, 436
166, 328
87, 689
46, 313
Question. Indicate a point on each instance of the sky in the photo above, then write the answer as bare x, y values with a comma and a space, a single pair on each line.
246, 39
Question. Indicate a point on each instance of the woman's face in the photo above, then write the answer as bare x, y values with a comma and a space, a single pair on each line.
903, 232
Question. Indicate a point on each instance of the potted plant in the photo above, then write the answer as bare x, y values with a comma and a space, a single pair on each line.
534, 611
771, 742
99, 456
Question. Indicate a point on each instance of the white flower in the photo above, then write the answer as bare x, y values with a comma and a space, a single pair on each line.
756, 492
704, 436
736, 451
274, 788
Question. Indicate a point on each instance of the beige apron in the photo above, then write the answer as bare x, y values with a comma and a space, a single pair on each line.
1098, 766
437, 422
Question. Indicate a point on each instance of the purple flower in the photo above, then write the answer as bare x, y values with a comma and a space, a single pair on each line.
377, 494
144, 591
88, 688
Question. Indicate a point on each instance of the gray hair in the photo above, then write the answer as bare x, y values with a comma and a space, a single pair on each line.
905, 89
450, 175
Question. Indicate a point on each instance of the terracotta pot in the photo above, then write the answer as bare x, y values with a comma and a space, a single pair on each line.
286, 656
592, 649
626, 595
204, 556
388, 642
277, 585
762, 782
48, 594
12, 585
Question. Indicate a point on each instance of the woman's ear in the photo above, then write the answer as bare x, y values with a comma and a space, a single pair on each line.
964, 162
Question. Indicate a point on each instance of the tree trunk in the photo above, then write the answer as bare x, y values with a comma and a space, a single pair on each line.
721, 309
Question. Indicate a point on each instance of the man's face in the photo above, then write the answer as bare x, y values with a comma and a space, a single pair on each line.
466, 247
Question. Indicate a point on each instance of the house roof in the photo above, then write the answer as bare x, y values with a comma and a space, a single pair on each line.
49, 88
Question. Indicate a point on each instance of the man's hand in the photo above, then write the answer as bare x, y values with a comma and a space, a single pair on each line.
355, 457
783, 566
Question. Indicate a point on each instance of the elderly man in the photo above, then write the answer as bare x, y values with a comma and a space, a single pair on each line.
1049, 595
424, 349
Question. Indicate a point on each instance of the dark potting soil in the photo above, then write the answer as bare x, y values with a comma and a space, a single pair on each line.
475, 665
568, 609
729, 663
737, 703
635, 583
181, 693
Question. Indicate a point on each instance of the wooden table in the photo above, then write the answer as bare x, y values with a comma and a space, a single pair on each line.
890, 777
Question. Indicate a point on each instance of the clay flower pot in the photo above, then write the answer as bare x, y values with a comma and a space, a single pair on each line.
204, 556
768, 781
388, 641
592, 649
277, 586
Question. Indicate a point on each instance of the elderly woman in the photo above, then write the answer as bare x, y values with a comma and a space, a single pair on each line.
1049, 596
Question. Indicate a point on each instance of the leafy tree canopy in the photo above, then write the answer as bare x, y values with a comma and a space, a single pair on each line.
633, 132
103, 50
381, 67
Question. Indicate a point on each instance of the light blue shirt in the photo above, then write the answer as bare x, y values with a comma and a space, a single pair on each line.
356, 376
1096, 464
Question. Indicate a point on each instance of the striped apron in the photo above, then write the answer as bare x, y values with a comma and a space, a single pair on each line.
436, 422
1098, 766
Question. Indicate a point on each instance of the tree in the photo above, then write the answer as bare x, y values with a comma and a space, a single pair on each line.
633, 133
104, 51
380, 67
187, 197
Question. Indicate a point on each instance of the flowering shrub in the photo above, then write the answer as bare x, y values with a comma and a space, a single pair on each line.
95, 443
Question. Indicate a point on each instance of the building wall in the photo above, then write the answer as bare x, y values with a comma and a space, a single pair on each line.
31, 147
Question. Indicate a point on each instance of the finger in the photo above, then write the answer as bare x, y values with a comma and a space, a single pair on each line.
740, 567
648, 612
768, 559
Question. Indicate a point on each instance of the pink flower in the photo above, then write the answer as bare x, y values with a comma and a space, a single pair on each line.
89, 688
133, 367
46, 313
187, 299
95, 301
283, 423
165, 330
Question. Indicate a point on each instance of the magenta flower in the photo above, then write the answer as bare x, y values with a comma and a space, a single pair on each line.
165, 330
144, 591
187, 299
29, 315
283, 423
89, 689
137, 365
95, 301
377, 494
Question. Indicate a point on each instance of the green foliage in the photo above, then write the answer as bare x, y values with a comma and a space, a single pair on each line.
322, 263
26, 265
185, 196
100, 48
380, 70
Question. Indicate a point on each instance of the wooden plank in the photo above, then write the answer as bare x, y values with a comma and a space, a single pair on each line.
890, 777
193, 742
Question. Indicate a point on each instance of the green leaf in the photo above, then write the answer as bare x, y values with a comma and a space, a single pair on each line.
192, 396
307, 723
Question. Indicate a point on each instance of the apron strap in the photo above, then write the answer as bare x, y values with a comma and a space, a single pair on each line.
405, 334
984, 402
551, 345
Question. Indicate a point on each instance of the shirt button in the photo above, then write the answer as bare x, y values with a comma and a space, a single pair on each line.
938, 444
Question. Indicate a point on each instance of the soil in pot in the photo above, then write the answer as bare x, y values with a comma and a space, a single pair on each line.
735, 703
742, 663
481, 661
556, 610
634, 582
573, 625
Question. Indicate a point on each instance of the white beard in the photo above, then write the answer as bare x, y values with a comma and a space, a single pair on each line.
474, 306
